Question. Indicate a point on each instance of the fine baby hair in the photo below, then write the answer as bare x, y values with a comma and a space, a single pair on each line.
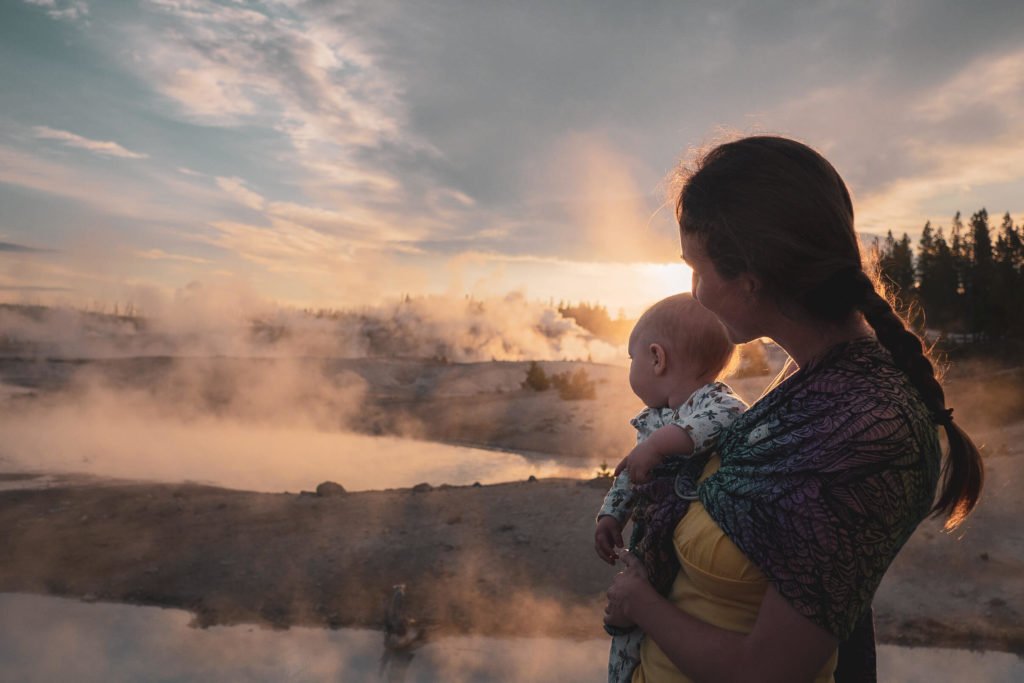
686, 329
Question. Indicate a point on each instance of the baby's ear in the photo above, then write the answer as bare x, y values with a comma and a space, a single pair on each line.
658, 358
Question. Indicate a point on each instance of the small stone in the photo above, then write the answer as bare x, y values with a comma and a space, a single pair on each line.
422, 488
453, 520
329, 488
983, 556
476, 484
532, 478
507, 527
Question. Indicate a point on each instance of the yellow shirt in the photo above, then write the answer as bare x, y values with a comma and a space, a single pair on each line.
716, 584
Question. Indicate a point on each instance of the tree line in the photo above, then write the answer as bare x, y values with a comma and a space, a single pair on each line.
961, 282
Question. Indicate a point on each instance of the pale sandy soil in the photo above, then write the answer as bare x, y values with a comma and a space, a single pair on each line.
508, 558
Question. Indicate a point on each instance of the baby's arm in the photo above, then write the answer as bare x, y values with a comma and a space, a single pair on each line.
665, 441
612, 517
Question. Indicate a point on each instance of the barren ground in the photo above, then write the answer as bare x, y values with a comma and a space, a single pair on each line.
507, 558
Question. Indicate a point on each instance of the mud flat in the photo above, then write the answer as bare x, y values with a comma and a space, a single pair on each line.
512, 558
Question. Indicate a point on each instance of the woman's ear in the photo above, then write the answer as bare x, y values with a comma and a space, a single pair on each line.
658, 358
750, 285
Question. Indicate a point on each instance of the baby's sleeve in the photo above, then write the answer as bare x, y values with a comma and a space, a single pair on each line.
710, 413
618, 502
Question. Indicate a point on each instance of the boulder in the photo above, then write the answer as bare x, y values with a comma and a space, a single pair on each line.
329, 488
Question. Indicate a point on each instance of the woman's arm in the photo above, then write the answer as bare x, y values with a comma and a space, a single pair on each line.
784, 645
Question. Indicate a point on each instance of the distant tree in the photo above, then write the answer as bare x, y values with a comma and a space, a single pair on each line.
979, 294
536, 378
574, 386
1008, 281
594, 318
927, 254
896, 264
943, 309
753, 361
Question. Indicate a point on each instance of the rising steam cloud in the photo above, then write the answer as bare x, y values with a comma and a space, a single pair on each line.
203, 322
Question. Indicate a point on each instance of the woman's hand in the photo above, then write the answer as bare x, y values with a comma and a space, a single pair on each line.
629, 592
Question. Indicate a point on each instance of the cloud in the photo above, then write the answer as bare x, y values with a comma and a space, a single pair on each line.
309, 81
105, 148
70, 10
160, 255
236, 188
33, 288
20, 248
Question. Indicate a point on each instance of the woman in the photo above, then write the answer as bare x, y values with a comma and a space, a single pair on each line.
819, 485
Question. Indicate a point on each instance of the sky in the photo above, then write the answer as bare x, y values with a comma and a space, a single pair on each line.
341, 154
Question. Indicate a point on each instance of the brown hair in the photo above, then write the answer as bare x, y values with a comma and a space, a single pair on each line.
775, 208
685, 327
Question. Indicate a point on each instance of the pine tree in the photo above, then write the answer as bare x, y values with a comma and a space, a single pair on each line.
927, 287
1007, 257
979, 295
896, 263
960, 250
946, 283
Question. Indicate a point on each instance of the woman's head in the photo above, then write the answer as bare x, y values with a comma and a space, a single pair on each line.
774, 210
770, 216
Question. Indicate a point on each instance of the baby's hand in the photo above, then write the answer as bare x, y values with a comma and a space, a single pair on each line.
607, 538
639, 463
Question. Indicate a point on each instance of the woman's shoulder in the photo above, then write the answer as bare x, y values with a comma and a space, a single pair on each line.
860, 377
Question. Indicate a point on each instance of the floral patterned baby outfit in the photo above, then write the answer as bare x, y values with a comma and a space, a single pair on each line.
658, 504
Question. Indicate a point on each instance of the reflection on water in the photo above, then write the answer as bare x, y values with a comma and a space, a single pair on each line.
256, 457
52, 639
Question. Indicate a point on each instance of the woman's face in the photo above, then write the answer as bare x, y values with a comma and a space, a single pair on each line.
733, 301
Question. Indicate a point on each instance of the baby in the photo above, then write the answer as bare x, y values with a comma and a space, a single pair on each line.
678, 349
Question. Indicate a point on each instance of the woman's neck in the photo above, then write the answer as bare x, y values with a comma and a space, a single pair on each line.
806, 341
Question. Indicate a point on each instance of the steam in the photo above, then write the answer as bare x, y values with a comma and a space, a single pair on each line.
201, 321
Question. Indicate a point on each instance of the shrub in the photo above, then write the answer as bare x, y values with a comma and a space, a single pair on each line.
536, 378
574, 386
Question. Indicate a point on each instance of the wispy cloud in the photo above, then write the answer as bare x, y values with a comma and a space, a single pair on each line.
21, 249
235, 187
161, 255
102, 147
307, 79
70, 10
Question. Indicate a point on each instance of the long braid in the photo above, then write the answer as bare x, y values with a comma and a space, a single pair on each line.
962, 472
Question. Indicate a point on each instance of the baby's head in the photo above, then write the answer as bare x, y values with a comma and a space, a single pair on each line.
676, 343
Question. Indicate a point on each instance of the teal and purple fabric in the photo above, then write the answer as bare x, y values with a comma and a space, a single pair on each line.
824, 479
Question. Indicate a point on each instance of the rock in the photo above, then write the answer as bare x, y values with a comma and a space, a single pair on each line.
476, 484
329, 488
422, 488
454, 520
532, 478
983, 556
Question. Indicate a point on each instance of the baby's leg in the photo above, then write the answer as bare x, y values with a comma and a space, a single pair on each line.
624, 656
